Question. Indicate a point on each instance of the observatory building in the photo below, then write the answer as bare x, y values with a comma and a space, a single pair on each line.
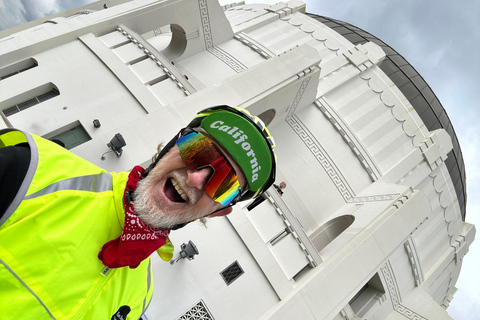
371, 224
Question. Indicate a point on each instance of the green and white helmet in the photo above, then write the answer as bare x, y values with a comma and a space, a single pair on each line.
247, 140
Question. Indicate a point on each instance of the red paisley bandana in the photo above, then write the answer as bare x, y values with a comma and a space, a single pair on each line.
137, 241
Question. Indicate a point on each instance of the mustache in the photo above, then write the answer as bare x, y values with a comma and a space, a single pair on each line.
151, 211
193, 194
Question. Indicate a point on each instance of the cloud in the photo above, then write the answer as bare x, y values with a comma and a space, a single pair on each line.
14, 12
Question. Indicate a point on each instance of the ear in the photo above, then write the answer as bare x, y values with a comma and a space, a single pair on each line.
222, 212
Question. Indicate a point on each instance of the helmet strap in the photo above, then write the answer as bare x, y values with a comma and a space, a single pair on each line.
181, 225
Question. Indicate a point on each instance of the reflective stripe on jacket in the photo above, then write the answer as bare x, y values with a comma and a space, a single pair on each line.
51, 234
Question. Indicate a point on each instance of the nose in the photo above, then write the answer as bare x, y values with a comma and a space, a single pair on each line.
198, 178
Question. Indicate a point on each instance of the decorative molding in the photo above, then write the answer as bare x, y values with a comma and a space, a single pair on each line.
329, 38
392, 288
78, 13
284, 9
414, 261
298, 97
435, 148
291, 110
198, 312
205, 18
291, 229
408, 313
281, 9
343, 129
365, 56
233, 5
159, 63
448, 202
449, 209
228, 59
84, 12
390, 95
316, 148
374, 198
224, 56
254, 45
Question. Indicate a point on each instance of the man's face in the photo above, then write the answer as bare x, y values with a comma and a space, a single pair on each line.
171, 194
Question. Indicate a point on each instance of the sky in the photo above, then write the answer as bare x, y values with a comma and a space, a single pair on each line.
440, 39
15, 12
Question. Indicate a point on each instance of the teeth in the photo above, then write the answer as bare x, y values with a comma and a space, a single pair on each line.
179, 190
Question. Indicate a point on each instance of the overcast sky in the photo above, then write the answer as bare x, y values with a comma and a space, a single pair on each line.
440, 38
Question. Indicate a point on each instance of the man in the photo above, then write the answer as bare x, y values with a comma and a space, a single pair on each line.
280, 188
75, 240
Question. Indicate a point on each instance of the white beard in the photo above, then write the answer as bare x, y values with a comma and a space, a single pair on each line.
150, 211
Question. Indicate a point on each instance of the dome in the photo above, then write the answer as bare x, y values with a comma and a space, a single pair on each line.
418, 93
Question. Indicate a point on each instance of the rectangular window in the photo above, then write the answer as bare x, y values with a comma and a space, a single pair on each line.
69, 136
43, 93
368, 298
16, 68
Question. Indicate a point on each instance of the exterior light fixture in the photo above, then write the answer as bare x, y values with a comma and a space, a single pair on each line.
116, 144
188, 251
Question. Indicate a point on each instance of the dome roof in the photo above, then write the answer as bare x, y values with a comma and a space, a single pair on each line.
417, 91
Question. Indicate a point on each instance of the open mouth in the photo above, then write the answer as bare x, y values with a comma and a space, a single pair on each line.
173, 191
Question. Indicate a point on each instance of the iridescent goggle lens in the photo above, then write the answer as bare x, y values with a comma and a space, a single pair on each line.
198, 152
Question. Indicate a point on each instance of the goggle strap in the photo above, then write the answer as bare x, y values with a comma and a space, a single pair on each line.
231, 204
256, 202
162, 153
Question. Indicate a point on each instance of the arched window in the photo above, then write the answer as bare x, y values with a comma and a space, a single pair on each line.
31, 98
330, 230
16, 68
170, 40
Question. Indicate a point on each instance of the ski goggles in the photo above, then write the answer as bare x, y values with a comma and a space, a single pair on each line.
198, 152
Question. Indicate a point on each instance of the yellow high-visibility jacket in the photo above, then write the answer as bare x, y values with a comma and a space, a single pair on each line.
51, 234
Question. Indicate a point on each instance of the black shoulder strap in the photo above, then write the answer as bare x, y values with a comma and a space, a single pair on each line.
14, 162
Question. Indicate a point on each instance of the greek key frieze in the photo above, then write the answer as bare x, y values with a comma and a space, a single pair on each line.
229, 60
395, 296
315, 147
205, 18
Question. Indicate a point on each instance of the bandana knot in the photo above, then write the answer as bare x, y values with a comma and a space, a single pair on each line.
137, 241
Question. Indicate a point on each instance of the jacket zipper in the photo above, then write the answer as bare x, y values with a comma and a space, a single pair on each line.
107, 273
